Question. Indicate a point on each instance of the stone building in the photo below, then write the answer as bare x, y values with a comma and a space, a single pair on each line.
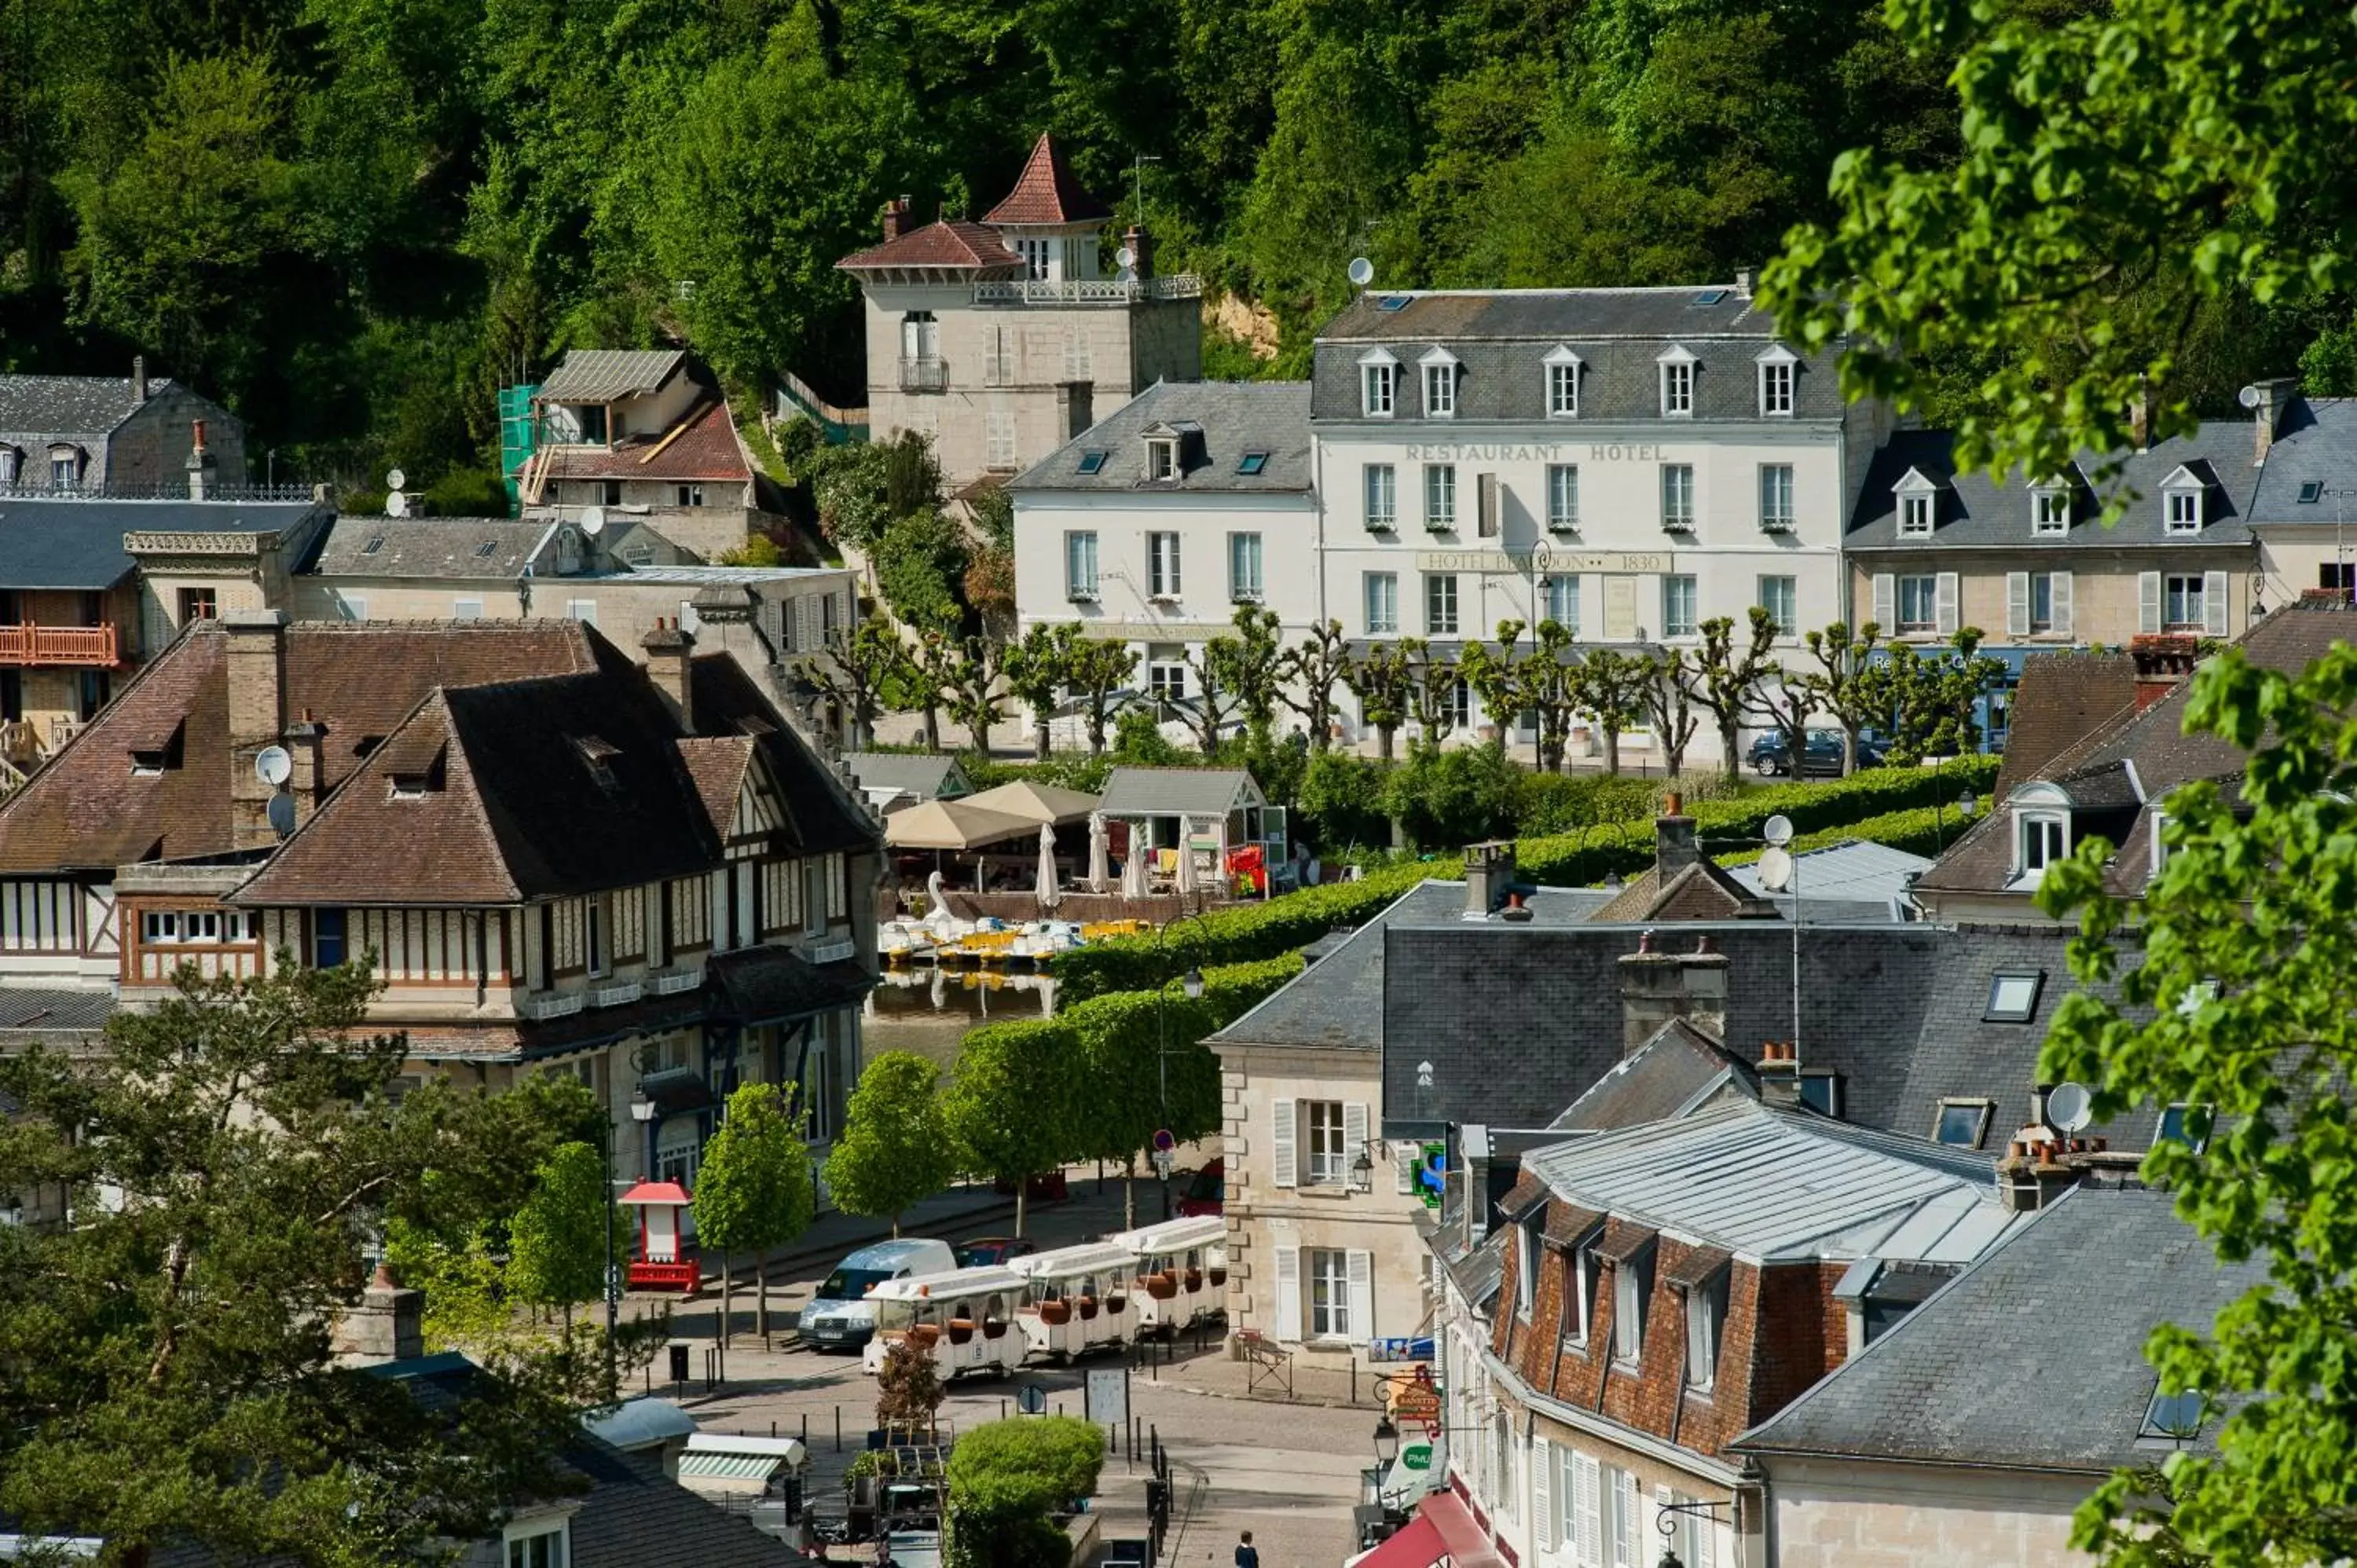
129, 436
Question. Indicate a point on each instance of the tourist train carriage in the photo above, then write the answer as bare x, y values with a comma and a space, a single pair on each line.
1181, 1270
964, 1319
1078, 1299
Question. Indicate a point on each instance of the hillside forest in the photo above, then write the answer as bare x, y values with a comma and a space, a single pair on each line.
352, 219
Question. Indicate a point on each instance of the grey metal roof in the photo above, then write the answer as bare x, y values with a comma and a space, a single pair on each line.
438, 547
69, 405
2315, 444
1221, 423
1851, 871
28, 1010
927, 777
1167, 791
1972, 511
602, 375
1773, 1182
2031, 1356
77, 542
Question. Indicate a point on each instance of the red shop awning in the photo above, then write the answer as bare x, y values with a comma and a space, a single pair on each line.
1442, 1529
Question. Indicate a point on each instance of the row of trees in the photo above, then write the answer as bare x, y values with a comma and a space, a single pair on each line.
1733, 678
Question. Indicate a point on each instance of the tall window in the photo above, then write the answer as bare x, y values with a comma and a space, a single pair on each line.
1563, 497
328, 947
1680, 616
1563, 602
1678, 497
1440, 390
1632, 1289
1439, 605
920, 339
2041, 601
1383, 603
1780, 596
1383, 495
1915, 516
537, 1546
1080, 566
1162, 459
2181, 603
998, 432
1775, 387
1919, 603
1776, 497
65, 470
1562, 389
2050, 513
2043, 842
1326, 1163
2185, 511
1243, 568
1330, 1294
1378, 385
1440, 497
1162, 565
1706, 1311
592, 935
1677, 389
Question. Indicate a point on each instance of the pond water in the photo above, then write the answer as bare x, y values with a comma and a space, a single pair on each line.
928, 1011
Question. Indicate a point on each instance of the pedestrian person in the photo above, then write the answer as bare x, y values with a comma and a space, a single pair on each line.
1247, 1554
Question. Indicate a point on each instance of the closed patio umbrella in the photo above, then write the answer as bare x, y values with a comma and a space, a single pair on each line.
1100, 852
1050, 896
1186, 860
1133, 866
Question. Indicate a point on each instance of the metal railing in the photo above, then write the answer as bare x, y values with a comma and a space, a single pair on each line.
1089, 291
924, 374
163, 490
30, 644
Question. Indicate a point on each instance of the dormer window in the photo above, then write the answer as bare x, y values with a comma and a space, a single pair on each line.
1378, 385
597, 755
2041, 838
2050, 512
1562, 384
2181, 502
65, 465
1778, 372
1162, 457
1439, 369
1632, 1292
10, 460
542, 1542
1677, 384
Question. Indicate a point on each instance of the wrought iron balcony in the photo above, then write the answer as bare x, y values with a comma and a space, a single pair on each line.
924, 374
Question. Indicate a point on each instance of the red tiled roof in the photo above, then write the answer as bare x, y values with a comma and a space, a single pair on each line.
952, 243
702, 446
1047, 193
718, 765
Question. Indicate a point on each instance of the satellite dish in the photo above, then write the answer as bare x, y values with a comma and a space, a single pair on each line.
1126, 275
2070, 1107
1124, 258
272, 766
1776, 869
1777, 829
395, 479
281, 812
396, 505
1362, 272
593, 520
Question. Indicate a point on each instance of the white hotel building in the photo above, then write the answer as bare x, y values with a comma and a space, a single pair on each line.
1628, 462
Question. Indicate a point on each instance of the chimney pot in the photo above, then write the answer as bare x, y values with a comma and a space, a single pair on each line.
1141, 247
1704, 945
1645, 941
200, 462
139, 378
1670, 802
2267, 401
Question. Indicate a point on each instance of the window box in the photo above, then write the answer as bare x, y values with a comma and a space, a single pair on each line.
619, 993
672, 982
562, 1004
835, 951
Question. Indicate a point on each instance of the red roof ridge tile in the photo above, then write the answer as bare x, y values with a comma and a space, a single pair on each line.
956, 245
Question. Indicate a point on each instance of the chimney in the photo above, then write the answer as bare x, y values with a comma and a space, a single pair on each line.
896, 218
1780, 1074
2140, 420
1141, 246
2163, 663
671, 650
306, 741
1673, 838
1489, 870
2269, 401
388, 1324
139, 378
1743, 283
200, 462
1656, 987
257, 679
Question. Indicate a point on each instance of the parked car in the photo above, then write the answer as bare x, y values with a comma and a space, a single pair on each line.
840, 1318
1204, 1191
1822, 759
984, 1250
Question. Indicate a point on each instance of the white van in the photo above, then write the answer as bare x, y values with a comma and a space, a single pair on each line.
840, 1317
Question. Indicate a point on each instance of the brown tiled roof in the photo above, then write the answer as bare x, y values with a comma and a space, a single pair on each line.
84, 810
1047, 192
2062, 700
1567, 1224
823, 813
1527, 1193
1697, 892
703, 446
717, 765
955, 243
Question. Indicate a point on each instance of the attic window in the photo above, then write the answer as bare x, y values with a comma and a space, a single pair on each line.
2013, 995
375, 543
1821, 1091
1251, 463
1709, 297
1962, 1123
2186, 1124
1091, 462
1162, 457
2310, 492
488, 548
2174, 1418
366, 744
2050, 512
1391, 302
595, 753
153, 762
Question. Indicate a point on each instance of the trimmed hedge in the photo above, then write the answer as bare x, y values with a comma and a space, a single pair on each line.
1866, 805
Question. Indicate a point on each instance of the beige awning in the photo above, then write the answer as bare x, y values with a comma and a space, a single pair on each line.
1036, 802
954, 824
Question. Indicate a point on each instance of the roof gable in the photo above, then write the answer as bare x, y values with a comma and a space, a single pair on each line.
1047, 193
951, 245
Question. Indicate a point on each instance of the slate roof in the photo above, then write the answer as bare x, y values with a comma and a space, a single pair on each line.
1501, 339
1699, 890
1151, 792
1221, 422
703, 446
1853, 871
1669, 1075
765, 984
60, 542
438, 547
2033, 1356
2315, 442
30, 1011
925, 776
1047, 192
70, 405
1973, 511
954, 245
606, 375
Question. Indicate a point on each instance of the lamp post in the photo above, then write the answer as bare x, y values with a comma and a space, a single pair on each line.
1192, 982
642, 1111
1665, 1520
1967, 805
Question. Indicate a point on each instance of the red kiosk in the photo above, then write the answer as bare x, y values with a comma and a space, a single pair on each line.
666, 1260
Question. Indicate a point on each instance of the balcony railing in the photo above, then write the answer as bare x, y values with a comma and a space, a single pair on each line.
1089, 291
921, 374
91, 646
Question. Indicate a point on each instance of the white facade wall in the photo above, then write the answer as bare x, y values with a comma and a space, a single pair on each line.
1833, 1513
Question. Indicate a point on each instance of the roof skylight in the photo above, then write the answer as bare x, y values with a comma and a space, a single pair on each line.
1251, 463
1091, 462
2013, 995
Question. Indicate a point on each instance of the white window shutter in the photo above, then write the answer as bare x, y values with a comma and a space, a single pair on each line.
1358, 1273
2061, 601
1944, 611
1626, 1546
1587, 1519
1705, 1536
2016, 604
1886, 600
1405, 1159
1354, 1133
2213, 604
1541, 1495
2148, 601
1289, 1294
1281, 1149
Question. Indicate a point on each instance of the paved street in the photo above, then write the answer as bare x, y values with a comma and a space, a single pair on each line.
1289, 1473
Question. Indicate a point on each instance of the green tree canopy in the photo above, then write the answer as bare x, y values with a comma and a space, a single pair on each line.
1013, 1108
896, 1146
557, 1241
753, 1185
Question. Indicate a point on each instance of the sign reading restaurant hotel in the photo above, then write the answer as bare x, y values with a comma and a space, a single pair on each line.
1517, 562
1538, 452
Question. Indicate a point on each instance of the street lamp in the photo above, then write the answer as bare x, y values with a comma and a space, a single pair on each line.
1386, 1440
1363, 1171
1192, 985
